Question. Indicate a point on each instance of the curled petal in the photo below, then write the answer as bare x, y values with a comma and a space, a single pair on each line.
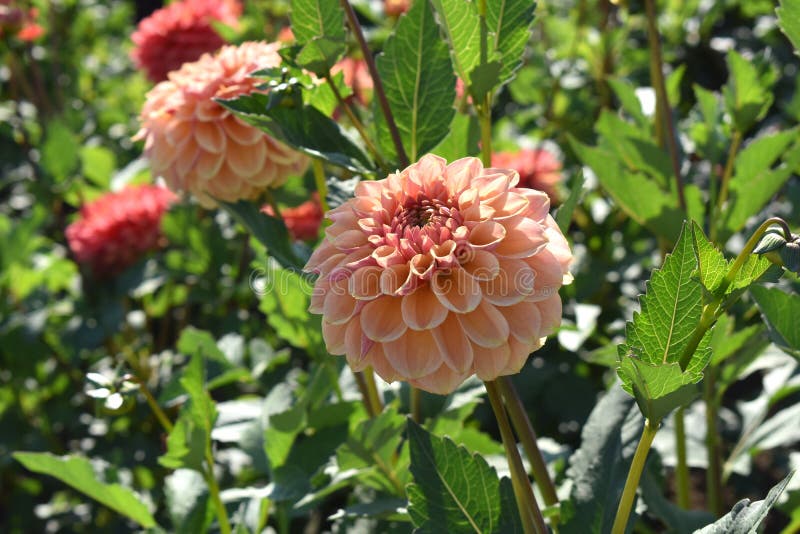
487, 235
382, 320
485, 325
422, 310
365, 283
515, 281
456, 290
394, 278
481, 265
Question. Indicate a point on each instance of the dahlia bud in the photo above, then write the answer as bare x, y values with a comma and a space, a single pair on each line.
776, 249
197, 145
440, 272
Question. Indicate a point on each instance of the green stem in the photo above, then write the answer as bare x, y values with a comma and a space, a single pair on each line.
714, 471
527, 435
322, 186
372, 391
358, 125
662, 102
362, 387
485, 119
531, 515
682, 468
213, 490
712, 309
380, 93
416, 404
632, 482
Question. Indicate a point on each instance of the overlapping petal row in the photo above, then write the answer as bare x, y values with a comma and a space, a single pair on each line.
198, 146
179, 33
440, 272
114, 230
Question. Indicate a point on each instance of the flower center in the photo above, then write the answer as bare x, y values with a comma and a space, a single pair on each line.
422, 212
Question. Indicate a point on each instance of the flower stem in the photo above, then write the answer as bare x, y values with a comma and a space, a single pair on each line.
662, 102
416, 405
352, 21
632, 482
163, 420
527, 435
213, 490
372, 391
362, 387
322, 186
485, 119
682, 468
714, 471
358, 125
531, 515
736, 142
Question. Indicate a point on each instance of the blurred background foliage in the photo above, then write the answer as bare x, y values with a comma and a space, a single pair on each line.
293, 446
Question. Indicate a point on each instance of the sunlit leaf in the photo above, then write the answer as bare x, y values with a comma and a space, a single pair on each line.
780, 310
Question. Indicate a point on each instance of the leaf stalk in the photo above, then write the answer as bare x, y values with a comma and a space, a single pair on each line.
682, 468
634, 474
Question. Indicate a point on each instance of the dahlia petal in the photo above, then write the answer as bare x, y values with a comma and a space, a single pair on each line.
365, 283
485, 325
481, 265
456, 290
386, 255
210, 136
550, 310
422, 310
519, 355
377, 359
509, 204
321, 256
422, 265
441, 382
487, 234
354, 347
454, 344
334, 334
460, 174
549, 274
382, 320
414, 354
515, 281
240, 132
394, 277
538, 203
246, 160
490, 186
209, 164
524, 321
349, 240
317, 301
339, 306
186, 158
522, 240
490, 362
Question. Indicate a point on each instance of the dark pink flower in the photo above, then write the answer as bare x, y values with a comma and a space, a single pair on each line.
115, 230
180, 33
538, 169
302, 221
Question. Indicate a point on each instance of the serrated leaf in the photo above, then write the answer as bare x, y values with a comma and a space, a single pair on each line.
789, 21
780, 310
185, 445
626, 94
455, 490
300, 126
461, 25
745, 98
754, 181
268, 230
712, 265
659, 334
634, 148
510, 23
317, 18
598, 469
419, 82
320, 54
77, 472
745, 517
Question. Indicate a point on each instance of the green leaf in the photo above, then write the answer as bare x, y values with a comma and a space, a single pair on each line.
98, 164
712, 265
268, 230
634, 148
789, 21
565, 211
420, 85
187, 501
746, 99
461, 140
639, 196
60, 151
725, 342
780, 311
77, 472
284, 116
745, 517
319, 55
455, 490
317, 18
598, 469
185, 445
659, 334
755, 182
626, 94
461, 24
509, 24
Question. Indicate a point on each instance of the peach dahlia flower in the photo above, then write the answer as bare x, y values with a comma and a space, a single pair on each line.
179, 33
440, 272
199, 146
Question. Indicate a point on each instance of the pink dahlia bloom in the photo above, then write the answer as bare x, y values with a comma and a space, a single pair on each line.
199, 146
538, 169
395, 8
302, 221
179, 33
440, 272
115, 230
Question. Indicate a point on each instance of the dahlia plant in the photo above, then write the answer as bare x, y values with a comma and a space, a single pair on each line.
367, 295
